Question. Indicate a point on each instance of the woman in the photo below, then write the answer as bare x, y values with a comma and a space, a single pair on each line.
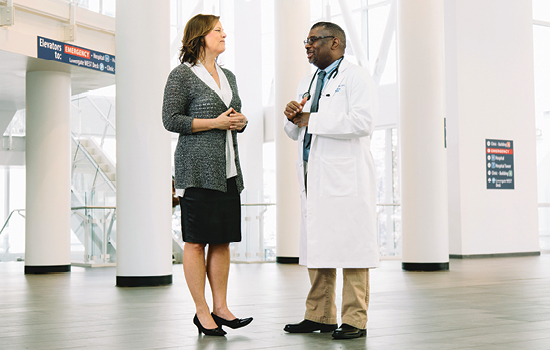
202, 104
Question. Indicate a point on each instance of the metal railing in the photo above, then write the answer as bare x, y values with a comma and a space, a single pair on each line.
91, 239
7, 244
252, 248
99, 171
9, 217
93, 191
104, 118
544, 229
389, 234
255, 246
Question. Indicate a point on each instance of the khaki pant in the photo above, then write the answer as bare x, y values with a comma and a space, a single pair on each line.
321, 300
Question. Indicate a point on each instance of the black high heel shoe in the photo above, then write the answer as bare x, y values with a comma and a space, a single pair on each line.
214, 331
236, 323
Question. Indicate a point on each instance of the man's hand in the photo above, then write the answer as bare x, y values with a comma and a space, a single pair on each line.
302, 119
293, 108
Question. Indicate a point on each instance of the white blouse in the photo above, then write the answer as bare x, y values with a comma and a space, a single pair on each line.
225, 93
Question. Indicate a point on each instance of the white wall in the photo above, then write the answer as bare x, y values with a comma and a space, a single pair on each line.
490, 95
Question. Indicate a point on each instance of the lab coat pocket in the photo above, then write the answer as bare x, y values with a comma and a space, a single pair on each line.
300, 173
338, 98
301, 184
338, 177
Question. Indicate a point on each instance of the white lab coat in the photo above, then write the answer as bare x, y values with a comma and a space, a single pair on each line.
339, 213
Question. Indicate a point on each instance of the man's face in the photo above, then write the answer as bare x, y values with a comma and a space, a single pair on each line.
319, 52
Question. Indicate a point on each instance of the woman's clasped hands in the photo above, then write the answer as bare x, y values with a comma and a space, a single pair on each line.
231, 120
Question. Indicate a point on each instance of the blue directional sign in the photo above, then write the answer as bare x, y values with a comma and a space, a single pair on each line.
53, 50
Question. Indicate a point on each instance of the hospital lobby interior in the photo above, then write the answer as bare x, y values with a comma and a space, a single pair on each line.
91, 253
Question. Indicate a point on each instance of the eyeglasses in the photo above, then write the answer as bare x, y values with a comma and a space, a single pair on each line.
313, 39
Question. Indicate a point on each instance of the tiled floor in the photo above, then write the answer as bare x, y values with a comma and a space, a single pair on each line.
479, 304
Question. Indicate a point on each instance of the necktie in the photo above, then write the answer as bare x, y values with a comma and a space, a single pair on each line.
313, 109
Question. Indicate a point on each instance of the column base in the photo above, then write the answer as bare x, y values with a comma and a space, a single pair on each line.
425, 266
287, 260
143, 281
35, 270
503, 255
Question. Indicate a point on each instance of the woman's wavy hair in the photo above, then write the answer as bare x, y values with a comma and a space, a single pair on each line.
193, 37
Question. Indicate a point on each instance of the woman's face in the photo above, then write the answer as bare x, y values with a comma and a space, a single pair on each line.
215, 40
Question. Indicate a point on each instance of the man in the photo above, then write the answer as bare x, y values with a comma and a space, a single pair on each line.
333, 124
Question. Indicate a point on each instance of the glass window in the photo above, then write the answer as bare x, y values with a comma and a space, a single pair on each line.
368, 24
109, 7
376, 25
268, 51
384, 150
106, 7
541, 10
12, 240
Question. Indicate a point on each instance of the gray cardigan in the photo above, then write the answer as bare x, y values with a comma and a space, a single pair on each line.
200, 157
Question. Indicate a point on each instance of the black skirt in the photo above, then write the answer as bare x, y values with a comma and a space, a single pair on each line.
210, 216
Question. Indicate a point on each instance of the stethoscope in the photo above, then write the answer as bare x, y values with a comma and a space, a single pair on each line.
332, 74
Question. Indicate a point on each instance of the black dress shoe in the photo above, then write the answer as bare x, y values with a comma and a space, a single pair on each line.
345, 331
236, 323
307, 326
214, 331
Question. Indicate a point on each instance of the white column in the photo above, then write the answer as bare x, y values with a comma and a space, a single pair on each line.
292, 24
423, 153
248, 14
144, 247
249, 44
48, 166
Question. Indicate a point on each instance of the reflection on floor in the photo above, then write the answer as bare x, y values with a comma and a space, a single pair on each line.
479, 304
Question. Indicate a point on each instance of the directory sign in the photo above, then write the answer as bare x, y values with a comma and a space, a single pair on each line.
53, 50
500, 164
